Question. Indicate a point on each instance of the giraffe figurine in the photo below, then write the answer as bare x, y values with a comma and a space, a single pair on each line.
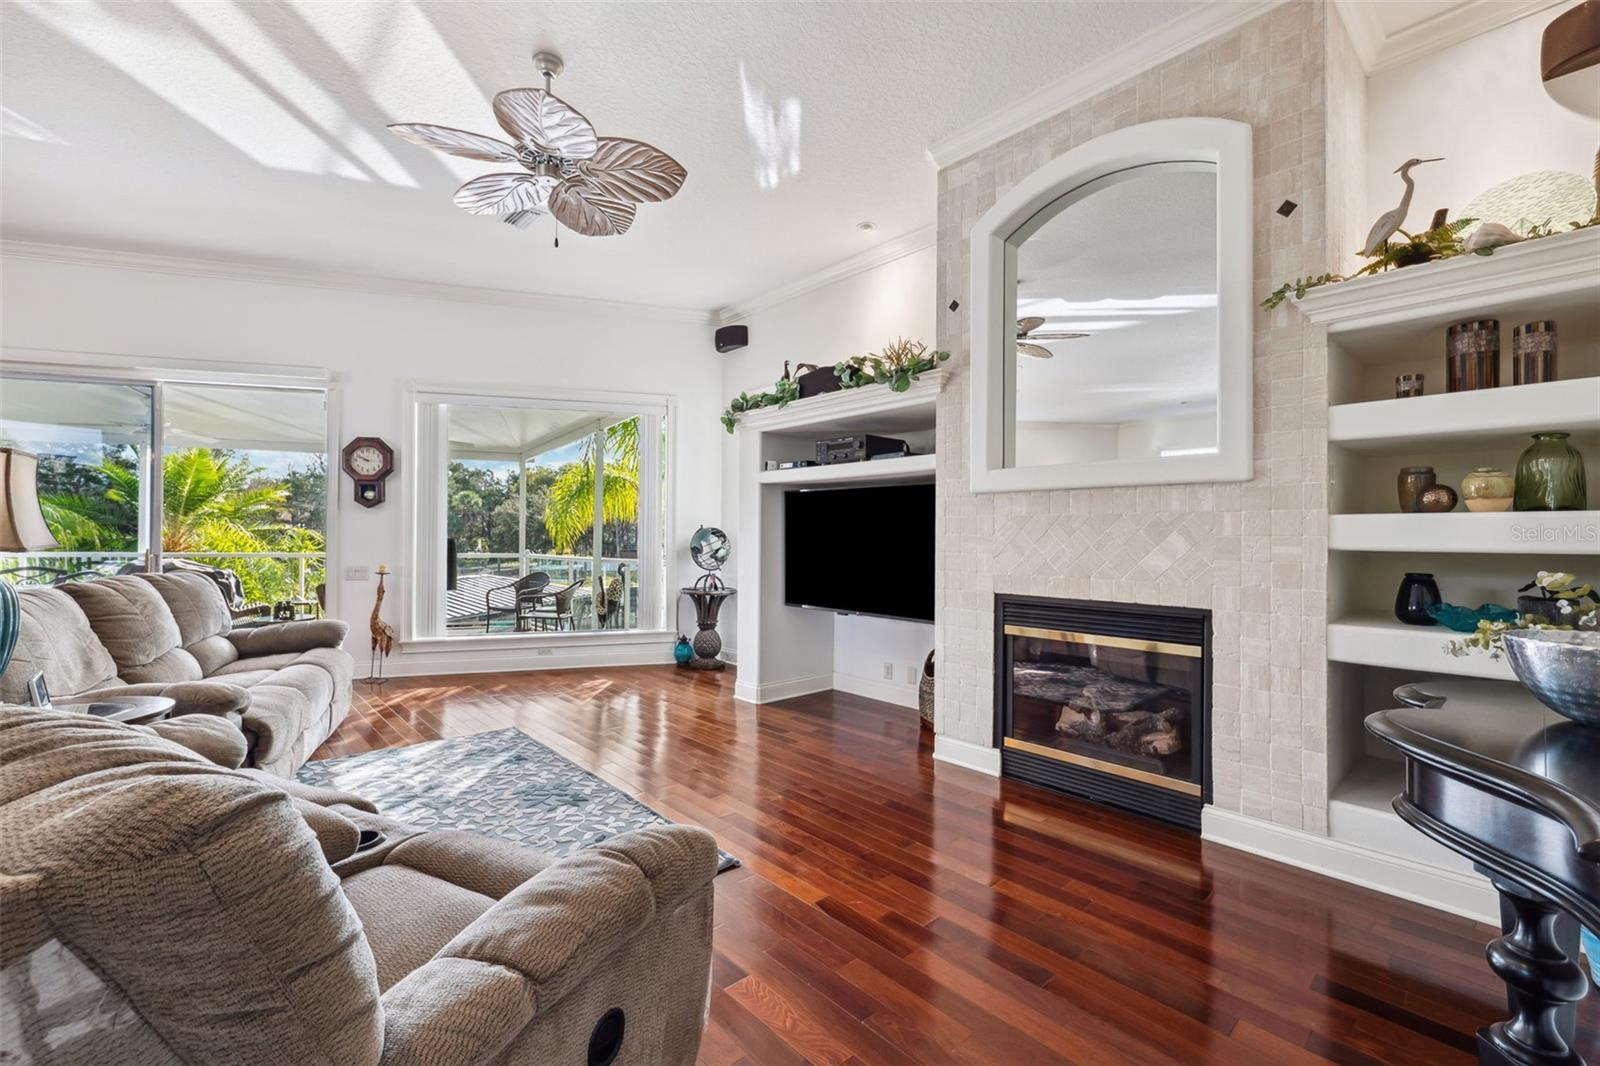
383, 634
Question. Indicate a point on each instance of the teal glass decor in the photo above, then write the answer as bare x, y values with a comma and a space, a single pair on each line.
1466, 619
683, 651
1550, 476
10, 622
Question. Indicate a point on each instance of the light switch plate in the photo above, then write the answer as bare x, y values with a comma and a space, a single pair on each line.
357, 573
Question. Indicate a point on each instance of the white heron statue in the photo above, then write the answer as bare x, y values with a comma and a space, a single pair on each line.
1390, 221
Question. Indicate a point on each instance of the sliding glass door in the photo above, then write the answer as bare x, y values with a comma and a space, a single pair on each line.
226, 480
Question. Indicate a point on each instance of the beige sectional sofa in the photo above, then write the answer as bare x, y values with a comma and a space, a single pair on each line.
287, 684
162, 908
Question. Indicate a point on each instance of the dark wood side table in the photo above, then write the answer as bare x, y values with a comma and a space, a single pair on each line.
1515, 788
134, 710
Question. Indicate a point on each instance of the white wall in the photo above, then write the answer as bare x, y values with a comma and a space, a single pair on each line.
374, 344
849, 317
1479, 104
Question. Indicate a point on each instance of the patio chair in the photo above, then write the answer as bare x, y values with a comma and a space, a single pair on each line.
523, 590
554, 607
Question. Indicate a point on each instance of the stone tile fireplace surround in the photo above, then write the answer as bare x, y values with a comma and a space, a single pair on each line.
1252, 553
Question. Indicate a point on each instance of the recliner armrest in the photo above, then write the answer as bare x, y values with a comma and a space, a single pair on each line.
287, 637
188, 697
516, 961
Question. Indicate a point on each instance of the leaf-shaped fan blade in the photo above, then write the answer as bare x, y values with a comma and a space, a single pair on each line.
501, 194
456, 142
1033, 351
1056, 336
1026, 326
545, 122
633, 170
584, 209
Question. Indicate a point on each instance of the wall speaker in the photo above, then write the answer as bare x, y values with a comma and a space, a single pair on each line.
732, 338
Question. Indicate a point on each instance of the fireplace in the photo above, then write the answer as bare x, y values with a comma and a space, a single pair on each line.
1107, 701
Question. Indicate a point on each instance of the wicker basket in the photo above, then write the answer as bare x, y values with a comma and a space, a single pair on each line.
925, 692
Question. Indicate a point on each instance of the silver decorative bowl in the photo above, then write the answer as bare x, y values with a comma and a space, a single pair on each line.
1561, 667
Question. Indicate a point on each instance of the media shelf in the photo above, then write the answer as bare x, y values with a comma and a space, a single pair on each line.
903, 468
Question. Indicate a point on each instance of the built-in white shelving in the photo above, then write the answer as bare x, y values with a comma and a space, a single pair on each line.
1503, 532
1376, 640
1451, 418
904, 468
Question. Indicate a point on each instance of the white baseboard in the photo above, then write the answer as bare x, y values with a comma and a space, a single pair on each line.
897, 693
1469, 895
481, 659
979, 757
773, 691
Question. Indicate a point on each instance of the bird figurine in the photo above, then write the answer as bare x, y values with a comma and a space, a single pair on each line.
1390, 221
383, 634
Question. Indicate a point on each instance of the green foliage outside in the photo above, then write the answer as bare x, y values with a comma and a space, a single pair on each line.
482, 512
214, 500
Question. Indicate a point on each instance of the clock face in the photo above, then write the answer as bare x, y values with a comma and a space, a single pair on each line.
366, 460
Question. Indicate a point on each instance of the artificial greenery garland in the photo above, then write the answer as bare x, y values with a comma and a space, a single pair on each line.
1440, 242
899, 364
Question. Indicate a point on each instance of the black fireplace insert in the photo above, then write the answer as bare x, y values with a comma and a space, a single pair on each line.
1107, 701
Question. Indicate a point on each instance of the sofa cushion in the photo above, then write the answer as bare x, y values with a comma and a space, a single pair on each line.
202, 616
409, 915
199, 893
136, 627
56, 640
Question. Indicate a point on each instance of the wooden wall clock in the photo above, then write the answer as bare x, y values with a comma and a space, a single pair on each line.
369, 462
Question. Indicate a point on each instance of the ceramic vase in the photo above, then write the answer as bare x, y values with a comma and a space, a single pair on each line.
1439, 499
1412, 483
683, 651
1418, 592
1488, 488
1550, 476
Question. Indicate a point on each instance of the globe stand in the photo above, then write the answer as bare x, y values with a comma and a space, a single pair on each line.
707, 642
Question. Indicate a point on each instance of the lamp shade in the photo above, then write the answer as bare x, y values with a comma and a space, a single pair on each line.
22, 527
1569, 59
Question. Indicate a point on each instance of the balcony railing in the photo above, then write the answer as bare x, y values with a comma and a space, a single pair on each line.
297, 577
563, 570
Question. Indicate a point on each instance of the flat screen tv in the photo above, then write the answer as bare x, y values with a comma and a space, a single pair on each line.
860, 550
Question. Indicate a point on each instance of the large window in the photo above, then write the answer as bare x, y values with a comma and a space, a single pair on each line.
225, 480
538, 516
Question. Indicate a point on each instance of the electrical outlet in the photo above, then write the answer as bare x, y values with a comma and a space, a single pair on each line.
356, 573
913, 673
888, 671
543, 651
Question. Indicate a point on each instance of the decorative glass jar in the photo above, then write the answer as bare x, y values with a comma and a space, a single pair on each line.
1550, 476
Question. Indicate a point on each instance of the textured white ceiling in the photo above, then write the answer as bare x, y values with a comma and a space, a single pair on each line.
254, 130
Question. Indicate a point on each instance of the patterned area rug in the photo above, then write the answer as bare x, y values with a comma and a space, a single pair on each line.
503, 784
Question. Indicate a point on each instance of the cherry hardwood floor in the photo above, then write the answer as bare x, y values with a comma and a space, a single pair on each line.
894, 910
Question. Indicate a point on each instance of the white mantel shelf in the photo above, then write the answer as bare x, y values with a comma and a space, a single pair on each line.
1533, 270
871, 407
1505, 532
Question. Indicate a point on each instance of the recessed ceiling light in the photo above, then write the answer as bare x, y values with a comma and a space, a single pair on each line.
865, 226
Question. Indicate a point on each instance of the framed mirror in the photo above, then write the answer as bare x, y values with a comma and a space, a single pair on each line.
1111, 329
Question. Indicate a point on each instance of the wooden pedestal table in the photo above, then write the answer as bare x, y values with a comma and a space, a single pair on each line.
1516, 789
707, 642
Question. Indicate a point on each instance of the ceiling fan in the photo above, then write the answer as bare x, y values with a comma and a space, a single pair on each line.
1026, 335
591, 184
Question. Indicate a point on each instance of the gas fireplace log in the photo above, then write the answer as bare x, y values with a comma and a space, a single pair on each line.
1137, 732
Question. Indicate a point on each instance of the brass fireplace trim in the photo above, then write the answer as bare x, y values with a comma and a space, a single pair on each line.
1188, 651
1188, 788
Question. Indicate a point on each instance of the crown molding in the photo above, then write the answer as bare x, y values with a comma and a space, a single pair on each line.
1380, 51
1156, 47
880, 255
274, 274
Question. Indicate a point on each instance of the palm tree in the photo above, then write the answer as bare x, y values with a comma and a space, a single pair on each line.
569, 509
209, 504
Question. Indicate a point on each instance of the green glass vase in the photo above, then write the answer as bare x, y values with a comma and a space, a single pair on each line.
1550, 476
